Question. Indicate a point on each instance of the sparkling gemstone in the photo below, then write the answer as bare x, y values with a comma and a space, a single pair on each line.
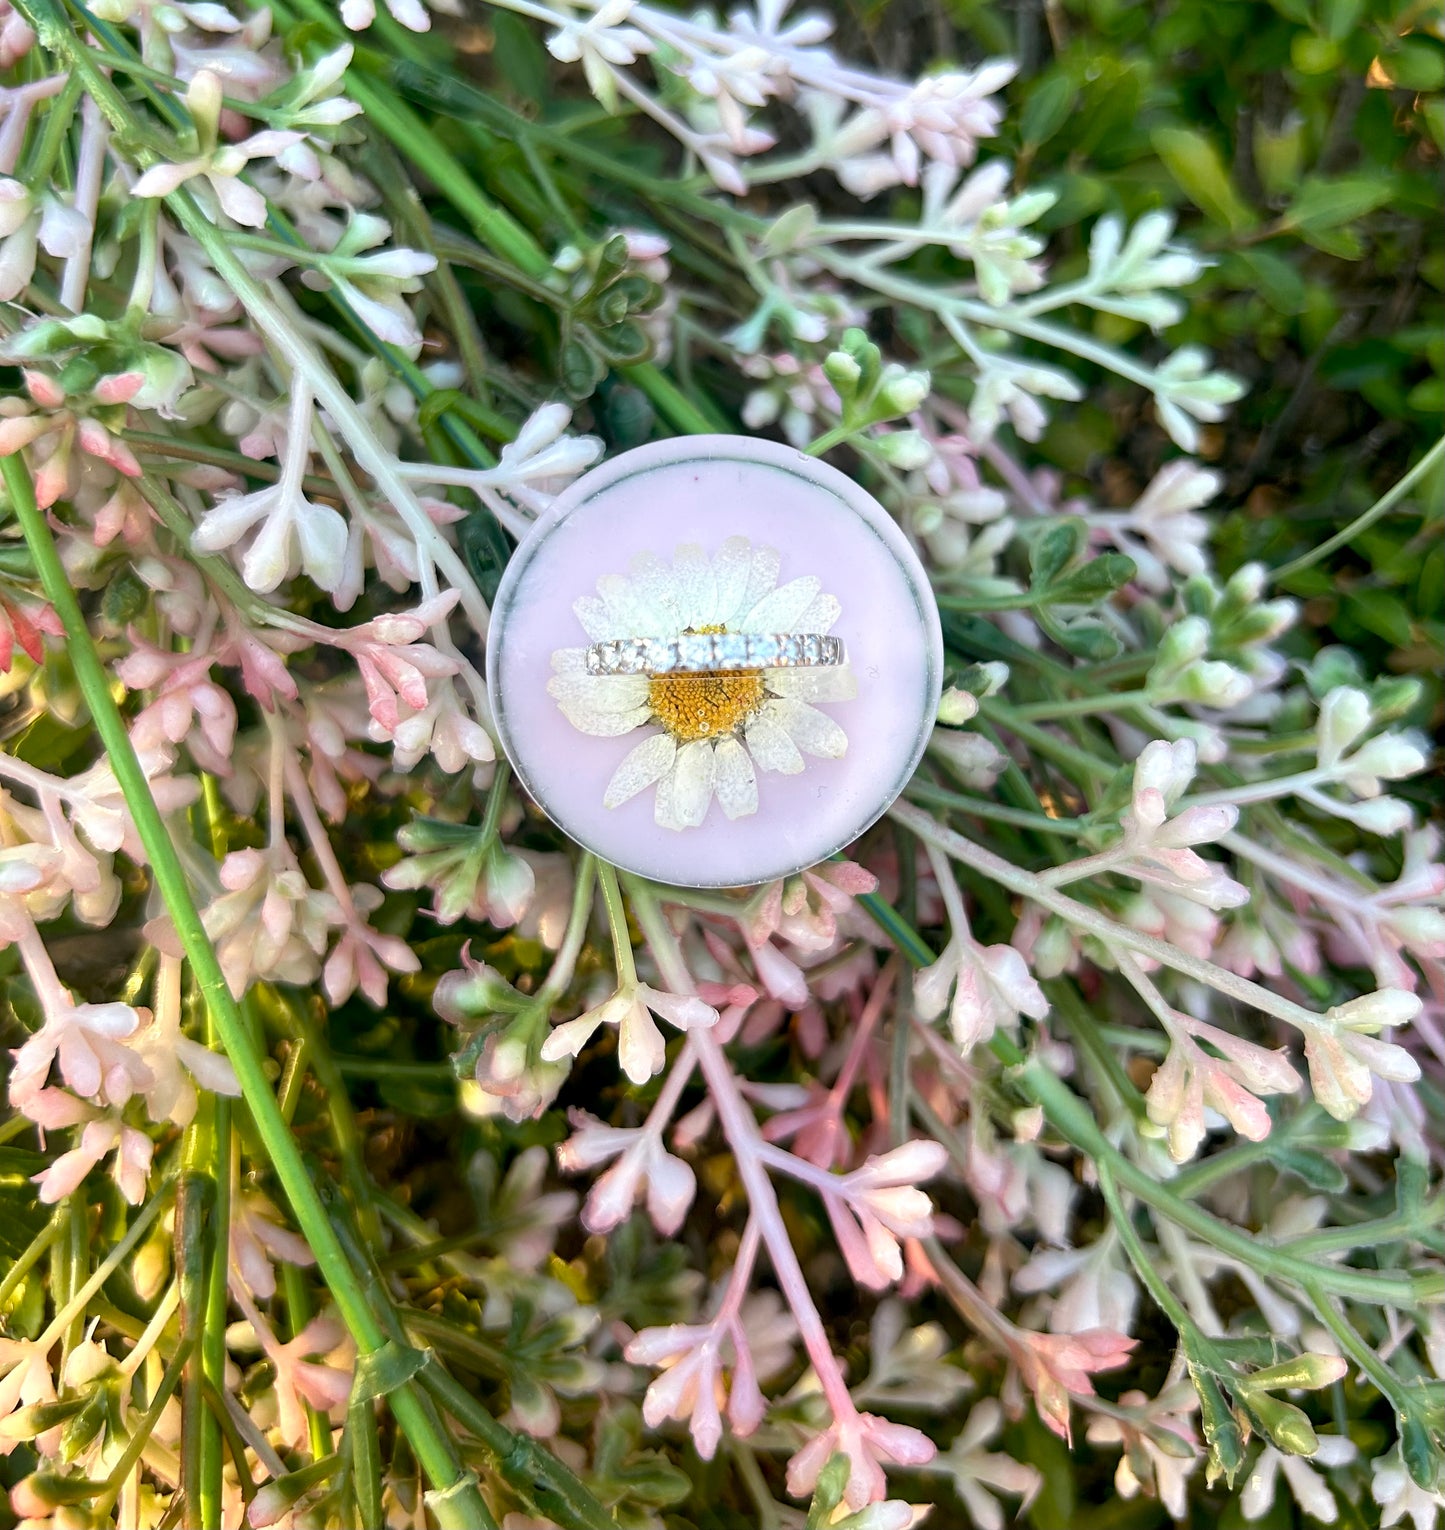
790, 649
812, 648
657, 655
762, 650
731, 649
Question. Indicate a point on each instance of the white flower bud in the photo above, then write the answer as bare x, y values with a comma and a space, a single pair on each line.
203, 97
905, 449
1184, 643
843, 372
1215, 684
956, 707
1375, 1011
976, 759
1381, 815
1344, 716
1390, 757
903, 392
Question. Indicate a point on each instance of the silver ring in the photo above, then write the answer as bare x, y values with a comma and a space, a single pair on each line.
701, 653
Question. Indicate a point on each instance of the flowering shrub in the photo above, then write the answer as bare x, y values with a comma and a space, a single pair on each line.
389, 1160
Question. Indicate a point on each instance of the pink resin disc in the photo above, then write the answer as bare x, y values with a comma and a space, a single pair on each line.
704, 489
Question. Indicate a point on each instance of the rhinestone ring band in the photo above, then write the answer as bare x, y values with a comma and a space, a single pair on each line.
697, 653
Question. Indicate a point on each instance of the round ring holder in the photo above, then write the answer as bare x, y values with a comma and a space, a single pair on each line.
704, 490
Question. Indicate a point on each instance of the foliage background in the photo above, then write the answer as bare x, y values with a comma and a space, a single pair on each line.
1300, 145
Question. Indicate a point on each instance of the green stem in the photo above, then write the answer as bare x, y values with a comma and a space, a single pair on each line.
1071, 1117
28, 1260
984, 807
617, 923
1386, 502
1144, 1267
909, 942
59, 116
1361, 1353
1309, 1128
527, 1468
141, 1431
986, 605
835, 437
1089, 766
433, 1449
674, 405
1080, 706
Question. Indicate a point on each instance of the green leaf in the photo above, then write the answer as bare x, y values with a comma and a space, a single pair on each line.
625, 342
1428, 396
580, 370
1340, 17
1418, 1452
1313, 55
385, 1369
1416, 62
1195, 164
454, 401
1047, 108
485, 550
1342, 243
1084, 639
1061, 544
518, 58
790, 229
15, 561
21, 1214
124, 599
1095, 581
1317, 1171
1221, 1429
1326, 204
1383, 613
1275, 279
1057, 1501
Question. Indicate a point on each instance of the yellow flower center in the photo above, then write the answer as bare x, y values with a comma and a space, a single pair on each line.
691, 707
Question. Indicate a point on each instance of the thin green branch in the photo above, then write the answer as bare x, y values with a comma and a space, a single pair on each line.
433, 1450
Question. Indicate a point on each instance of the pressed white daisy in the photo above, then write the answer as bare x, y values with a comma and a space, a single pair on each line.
718, 729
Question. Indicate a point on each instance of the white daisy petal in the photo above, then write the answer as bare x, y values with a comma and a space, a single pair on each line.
599, 693
569, 661
649, 762
828, 684
812, 731
587, 719
684, 793
696, 589
631, 613
654, 588
737, 786
778, 611
762, 576
731, 569
598, 620
771, 746
820, 615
